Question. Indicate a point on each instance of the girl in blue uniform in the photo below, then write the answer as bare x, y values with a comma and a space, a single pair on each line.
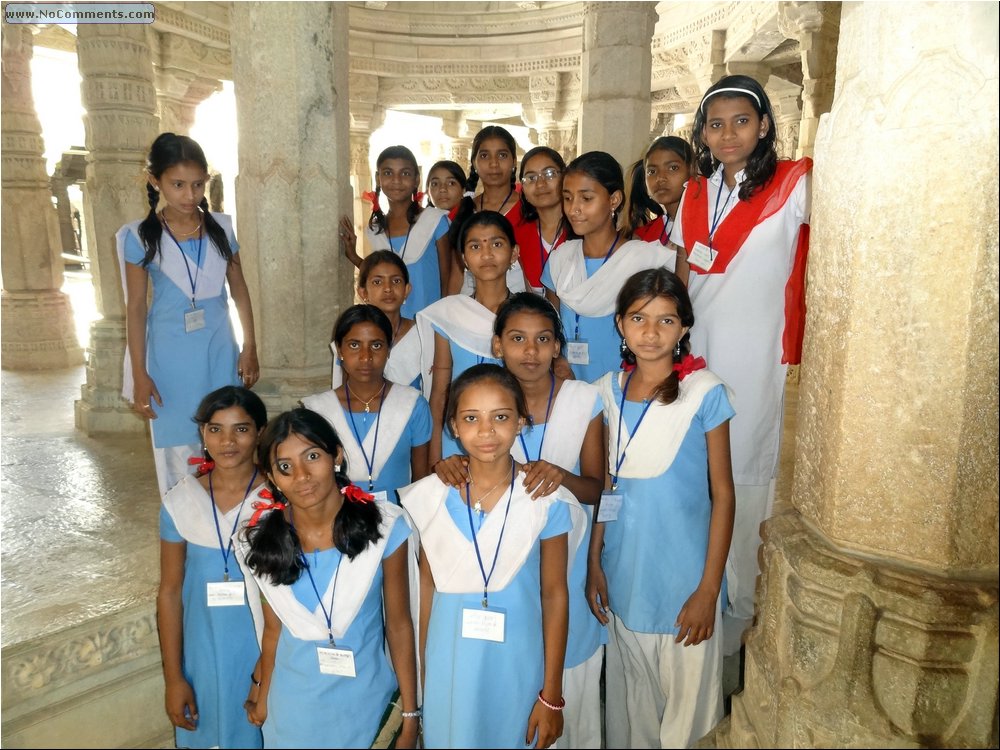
564, 447
658, 550
207, 640
416, 234
331, 566
385, 427
183, 346
493, 592
582, 277
457, 331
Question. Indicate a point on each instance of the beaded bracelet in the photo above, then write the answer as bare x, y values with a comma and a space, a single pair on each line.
411, 714
553, 706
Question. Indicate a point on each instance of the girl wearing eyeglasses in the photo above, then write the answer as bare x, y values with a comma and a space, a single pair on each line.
542, 227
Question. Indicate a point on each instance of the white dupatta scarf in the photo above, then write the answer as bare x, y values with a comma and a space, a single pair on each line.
662, 429
190, 507
393, 415
211, 277
464, 321
595, 297
353, 580
567, 426
453, 557
418, 240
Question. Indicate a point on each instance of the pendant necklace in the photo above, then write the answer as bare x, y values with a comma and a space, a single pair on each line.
478, 504
374, 396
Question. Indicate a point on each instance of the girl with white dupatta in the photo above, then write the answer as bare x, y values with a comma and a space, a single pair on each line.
416, 234
457, 331
658, 551
563, 447
385, 427
384, 281
330, 568
183, 345
582, 277
493, 581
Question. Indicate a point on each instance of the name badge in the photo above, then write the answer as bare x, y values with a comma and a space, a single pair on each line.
610, 505
337, 661
484, 624
578, 353
226, 594
381, 495
702, 256
194, 320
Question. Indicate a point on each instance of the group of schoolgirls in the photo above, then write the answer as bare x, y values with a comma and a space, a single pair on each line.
562, 461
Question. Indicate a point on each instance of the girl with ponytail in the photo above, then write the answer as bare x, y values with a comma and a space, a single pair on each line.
658, 549
416, 234
182, 346
657, 184
322, 561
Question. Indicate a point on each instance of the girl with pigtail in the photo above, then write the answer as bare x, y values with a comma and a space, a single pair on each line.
494, 163
328, 583
416, 234
656, 186
657, 558
183, 345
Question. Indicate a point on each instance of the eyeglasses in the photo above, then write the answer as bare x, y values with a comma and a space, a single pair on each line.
549, 174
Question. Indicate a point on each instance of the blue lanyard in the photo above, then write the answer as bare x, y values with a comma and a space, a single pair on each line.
218, 530
619, 453
542, 255
576, 330
378, 417
475, 541
402, 252
548, 409
187, 266
716, 214
333, 595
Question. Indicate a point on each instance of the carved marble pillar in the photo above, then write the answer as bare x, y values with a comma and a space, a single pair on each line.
877, 618
366, 116
785, 97
120, 124
58, 184
817, 28
180, 86
38, 332
616, 67
293, 185
460, 133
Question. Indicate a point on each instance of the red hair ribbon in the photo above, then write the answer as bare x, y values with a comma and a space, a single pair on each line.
356, 495
689, 364
260, 508
203, 464
372, 197
418, 197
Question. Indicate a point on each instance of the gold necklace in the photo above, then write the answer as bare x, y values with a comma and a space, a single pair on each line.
478, 504
180, 234
366, 403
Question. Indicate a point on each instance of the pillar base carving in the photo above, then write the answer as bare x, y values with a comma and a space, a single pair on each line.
38, 331
852, 651
101, 408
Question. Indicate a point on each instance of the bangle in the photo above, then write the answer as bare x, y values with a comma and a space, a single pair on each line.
411, 714
553, 706
254, 680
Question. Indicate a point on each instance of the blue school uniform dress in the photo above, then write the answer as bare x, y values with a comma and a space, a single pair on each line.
654, 553
305, 707
588, 289
219, 643
480, 693
184, 364
378, 441
418, 250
